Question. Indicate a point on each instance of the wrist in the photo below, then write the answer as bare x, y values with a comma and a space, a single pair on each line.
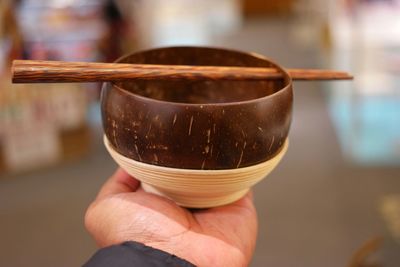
176, 247
196, 248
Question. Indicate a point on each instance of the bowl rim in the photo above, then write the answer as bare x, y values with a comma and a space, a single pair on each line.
287, 79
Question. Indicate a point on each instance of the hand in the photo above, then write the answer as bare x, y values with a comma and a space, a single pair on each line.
222, 236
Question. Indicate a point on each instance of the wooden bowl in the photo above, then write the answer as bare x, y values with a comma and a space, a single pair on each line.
208, 125
202, 143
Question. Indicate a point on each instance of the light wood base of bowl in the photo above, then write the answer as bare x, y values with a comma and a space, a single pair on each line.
196, 188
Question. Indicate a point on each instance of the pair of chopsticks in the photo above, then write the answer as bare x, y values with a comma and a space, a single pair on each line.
36, 71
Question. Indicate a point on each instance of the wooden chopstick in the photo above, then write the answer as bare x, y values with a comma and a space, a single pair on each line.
36, 71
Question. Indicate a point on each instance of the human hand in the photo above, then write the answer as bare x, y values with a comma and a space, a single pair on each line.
221, 236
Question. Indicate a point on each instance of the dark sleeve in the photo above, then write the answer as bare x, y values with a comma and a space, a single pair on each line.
134, 254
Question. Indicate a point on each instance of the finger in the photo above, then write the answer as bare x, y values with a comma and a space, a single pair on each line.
245, 214
246, 201
119, 182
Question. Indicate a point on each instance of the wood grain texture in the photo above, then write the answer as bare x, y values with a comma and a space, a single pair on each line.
197, 188
35, 71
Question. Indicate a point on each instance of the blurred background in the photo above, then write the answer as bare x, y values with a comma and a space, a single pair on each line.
333, 201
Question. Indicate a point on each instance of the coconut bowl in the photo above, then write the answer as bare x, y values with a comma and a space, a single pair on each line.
199, 143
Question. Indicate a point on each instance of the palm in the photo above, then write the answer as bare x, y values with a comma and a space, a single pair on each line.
223, 236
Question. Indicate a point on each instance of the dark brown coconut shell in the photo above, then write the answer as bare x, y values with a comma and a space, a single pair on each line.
209, 124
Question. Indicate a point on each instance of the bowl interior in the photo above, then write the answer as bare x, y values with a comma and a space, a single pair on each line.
200, 92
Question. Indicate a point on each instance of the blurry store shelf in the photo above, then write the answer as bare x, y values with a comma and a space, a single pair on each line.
366, 112
45, 124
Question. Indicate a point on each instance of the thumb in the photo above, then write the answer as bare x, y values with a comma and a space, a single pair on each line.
119, 182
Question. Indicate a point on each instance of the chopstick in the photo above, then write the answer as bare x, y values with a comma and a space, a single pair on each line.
37, 71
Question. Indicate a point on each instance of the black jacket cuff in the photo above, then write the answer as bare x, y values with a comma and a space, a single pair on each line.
134, 254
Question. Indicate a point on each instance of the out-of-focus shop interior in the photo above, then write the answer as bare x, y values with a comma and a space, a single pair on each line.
333, 201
